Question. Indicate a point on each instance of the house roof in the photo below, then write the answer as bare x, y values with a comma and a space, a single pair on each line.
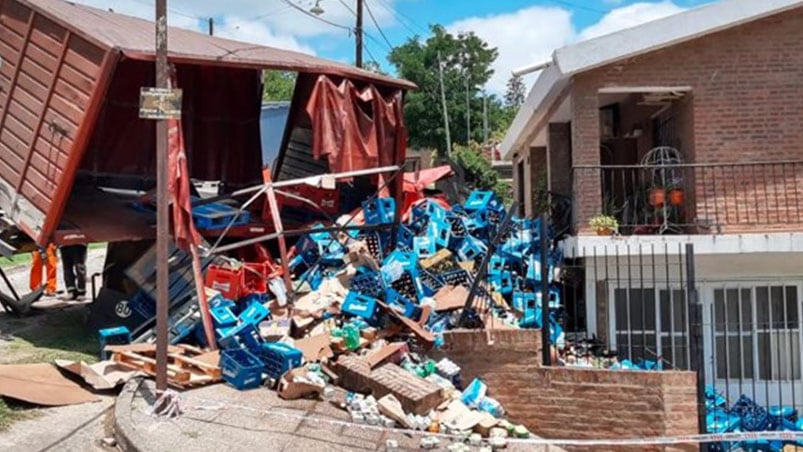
135, 38
658, 34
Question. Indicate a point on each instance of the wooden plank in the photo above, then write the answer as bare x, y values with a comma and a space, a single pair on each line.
15, 16
14, 148
67, 109
35, 52
76, 79
37, 78
48, 36
84, 57
19, 129
72, 94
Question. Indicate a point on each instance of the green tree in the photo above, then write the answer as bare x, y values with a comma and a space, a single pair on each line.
479, 174
467, 61
516, 92
278, 86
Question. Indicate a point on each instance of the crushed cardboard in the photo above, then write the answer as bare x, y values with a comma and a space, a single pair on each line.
41, 384
101, 376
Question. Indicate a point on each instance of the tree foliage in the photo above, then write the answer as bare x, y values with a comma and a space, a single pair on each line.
516, 92
479, 174
467, 61
278, 86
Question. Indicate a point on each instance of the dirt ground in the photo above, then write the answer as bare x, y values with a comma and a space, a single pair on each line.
55, 330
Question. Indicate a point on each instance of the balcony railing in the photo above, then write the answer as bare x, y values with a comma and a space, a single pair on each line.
695, 198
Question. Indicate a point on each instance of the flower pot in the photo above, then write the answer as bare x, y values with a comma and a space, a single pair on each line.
604, 231
676, 197
657, 197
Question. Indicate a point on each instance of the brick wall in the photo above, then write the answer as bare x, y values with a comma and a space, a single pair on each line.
556, 402
747, 106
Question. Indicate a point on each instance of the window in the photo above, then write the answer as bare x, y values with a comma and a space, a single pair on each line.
757, 332
644, 332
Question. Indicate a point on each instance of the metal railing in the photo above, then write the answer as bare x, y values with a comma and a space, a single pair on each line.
697, 198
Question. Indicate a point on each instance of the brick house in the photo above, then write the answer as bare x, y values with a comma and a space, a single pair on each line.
688, 129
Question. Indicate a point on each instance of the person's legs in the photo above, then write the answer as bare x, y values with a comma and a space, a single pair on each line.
50, 269
68, 261
36, 270
80, 269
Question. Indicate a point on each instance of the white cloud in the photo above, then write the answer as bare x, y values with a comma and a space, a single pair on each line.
628, 16
530, 35
523, 37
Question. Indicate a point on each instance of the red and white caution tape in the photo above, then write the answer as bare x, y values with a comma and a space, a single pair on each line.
787, 436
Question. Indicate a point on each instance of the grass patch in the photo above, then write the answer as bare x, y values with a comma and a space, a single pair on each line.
11, 412
25, 258
58, 335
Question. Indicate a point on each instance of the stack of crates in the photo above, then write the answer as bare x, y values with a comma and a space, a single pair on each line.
278, 358
230, 282
218, 216
379, 210
241, 368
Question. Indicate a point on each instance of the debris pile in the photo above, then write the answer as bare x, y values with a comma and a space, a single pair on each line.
369, 297
745, 415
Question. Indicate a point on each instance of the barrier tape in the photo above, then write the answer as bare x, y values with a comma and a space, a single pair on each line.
790, 436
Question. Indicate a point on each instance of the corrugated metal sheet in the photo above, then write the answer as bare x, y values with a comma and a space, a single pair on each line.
135, 38
47, 81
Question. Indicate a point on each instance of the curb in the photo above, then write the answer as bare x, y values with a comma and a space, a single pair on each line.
124, 433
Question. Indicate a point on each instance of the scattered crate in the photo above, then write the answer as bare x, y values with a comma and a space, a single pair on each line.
241, 368
278, 358
218, 216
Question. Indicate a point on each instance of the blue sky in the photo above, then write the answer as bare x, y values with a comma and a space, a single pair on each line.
524, 31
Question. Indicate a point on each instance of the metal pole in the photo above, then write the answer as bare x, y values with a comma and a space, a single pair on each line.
358, 34
162, 219
211, 26
445, 110
468, 112
485, 122
545, 347
695, 341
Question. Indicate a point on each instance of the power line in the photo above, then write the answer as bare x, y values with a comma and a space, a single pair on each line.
172, 10
307, 13
401, 18
373, 19
376, 40
578, 6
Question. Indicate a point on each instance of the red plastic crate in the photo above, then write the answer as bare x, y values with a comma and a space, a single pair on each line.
327, 200
229, 282
255, 282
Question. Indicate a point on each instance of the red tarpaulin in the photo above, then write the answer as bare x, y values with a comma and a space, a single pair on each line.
356, 129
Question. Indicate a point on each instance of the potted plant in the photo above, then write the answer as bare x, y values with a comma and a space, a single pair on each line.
657, 196
604, 224
676, 195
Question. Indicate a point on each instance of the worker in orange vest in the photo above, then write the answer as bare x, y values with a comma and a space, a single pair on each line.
46, 256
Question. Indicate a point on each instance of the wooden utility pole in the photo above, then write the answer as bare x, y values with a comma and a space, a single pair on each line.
162, 220
445, 111
211, 26
358, 34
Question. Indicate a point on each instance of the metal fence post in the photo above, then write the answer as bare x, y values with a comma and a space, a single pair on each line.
695, 311
545, 348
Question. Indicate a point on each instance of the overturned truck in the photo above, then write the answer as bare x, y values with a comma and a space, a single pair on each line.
77, 164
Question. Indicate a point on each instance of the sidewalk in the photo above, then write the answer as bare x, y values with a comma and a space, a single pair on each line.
220, 418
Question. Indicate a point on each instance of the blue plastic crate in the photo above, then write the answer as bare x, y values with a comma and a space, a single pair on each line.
368, 282
243, 336
439, 230
523, 301
254, 313
429, 283
402, 304
222, 316
241, 368
471, 249
379, 210
478, 200
118, 335
220, 301
363, 306
458, 277
424, 246
404, 238
278, 358
502, 282
313, 276
218, 216
496, 265
225, 332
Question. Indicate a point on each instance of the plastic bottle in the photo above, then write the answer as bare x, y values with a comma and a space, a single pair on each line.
352, 336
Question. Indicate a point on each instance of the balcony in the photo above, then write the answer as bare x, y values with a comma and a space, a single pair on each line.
689, 199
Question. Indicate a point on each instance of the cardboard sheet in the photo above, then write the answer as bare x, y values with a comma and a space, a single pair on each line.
102, 375
378, 357
416, 328
315, 348
41, 384
450, 297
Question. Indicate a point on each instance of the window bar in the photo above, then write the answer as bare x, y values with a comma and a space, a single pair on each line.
611, 340
739, 336
768, 355
735, 193
753, 330
781, 376
789, 338
627, 307
712, 322
726, 337
630, 305
644, 308
671, 300
797, 193
685, 307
